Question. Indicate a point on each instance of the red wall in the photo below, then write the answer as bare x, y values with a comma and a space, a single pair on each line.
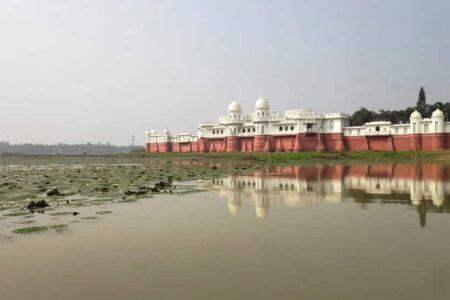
309, 142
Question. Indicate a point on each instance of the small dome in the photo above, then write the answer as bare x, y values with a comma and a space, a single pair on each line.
147, 133
416, 115
261, 103
437, 114
234, 106
152, 132
166, 131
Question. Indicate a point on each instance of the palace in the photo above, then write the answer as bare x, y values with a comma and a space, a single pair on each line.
302, 130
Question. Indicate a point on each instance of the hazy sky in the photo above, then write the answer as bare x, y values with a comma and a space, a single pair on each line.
100, 71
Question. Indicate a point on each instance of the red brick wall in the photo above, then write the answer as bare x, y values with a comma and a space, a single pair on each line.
355, 143
286, 143
401, 142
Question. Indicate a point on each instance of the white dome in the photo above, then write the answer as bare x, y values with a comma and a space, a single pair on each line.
152, 132
166, 131
416, 115
437, 114
261, 103
234, 106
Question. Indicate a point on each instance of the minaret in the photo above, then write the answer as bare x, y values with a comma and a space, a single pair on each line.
261, 119
415, 121
234, 122
437, 127
164, 144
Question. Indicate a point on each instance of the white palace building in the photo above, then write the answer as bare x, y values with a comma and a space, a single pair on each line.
298, 130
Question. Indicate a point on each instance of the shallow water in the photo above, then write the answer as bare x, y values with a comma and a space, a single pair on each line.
335, 232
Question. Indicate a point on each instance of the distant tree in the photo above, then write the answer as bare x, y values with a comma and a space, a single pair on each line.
421, 101
361, 116
61, 148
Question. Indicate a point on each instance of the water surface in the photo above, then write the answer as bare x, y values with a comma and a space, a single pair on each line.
320, 232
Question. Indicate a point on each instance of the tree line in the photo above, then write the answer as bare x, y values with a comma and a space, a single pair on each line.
63, 149
364, 115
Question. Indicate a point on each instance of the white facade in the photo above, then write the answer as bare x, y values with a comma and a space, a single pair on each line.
261, 122
416, 125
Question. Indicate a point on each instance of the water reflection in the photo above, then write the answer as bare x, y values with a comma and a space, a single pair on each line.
423, 186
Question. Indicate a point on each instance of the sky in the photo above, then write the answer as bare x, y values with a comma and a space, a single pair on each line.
101, 71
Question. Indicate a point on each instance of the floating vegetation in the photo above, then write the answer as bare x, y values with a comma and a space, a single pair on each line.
55, 192
60, 185
59, 227
64, 213
41, 182
27, 222
38, 204
128, 200
90, 218
17, 213
39, 229
30, 230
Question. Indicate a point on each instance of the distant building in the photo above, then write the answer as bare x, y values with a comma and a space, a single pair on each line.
302, 130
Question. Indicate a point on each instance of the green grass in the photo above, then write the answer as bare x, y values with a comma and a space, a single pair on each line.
305, 156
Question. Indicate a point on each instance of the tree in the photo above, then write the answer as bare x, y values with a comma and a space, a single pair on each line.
421, 101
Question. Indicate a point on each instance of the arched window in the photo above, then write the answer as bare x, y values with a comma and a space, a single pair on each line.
281, 128
414, 127
436, 128
331, 124
253, 129
425, 128
286, 128
214, 132
292, 127
377, 128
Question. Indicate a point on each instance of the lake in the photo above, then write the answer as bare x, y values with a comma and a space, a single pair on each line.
311, 232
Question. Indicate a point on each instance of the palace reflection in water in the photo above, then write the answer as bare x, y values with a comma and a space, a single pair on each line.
423, 186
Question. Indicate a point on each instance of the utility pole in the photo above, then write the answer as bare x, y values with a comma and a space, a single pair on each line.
132, 140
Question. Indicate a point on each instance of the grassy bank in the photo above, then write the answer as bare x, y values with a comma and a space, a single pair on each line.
308, 157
